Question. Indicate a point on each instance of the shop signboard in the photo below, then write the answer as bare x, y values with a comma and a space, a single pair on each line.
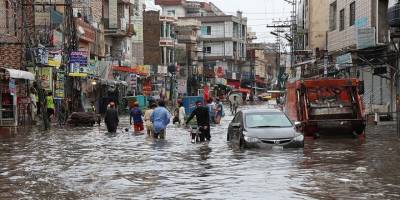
344, 61
12, 87
59, 86
78, 63
132, 82
45, 77
41, 55
92, 68
54, 59
182, 89
162, 69
57, 39
365, 38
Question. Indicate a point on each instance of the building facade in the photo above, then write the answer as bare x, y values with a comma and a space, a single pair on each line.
151, 37
223, 42
357, 38
346, 17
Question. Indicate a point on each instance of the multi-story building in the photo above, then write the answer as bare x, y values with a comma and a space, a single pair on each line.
312, 25
159, 38
118, 30
222, 37
223, 41
358, 31
137, 39
187, 55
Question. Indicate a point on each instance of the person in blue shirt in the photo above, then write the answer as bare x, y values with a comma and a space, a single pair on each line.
136, 115
160, 118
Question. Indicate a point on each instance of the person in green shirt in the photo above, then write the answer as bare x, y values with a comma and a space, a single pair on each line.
50, 105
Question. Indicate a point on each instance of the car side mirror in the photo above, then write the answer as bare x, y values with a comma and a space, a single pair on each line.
297, 124
236, 125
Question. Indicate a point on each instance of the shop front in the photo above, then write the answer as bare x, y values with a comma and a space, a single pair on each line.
14, 98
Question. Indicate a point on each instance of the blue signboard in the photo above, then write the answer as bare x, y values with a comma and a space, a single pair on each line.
362, 22
78, 63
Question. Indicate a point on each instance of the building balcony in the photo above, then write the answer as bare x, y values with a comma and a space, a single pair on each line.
121, 29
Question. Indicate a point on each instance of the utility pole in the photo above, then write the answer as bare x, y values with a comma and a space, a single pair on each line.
279, 27
70, 46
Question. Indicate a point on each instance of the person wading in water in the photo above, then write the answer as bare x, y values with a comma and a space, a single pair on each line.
111, 118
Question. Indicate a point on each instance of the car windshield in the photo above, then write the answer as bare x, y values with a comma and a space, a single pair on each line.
265, 120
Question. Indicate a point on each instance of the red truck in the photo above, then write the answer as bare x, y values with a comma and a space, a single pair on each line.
326, 105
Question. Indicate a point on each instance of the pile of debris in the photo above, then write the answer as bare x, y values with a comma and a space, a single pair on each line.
84, 119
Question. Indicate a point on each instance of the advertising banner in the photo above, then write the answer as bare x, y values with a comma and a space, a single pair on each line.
59, 86
78, 63
54, 59
182, 87
365, 38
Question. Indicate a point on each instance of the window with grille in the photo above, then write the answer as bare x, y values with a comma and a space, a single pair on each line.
341, 28
352, 13
332, 16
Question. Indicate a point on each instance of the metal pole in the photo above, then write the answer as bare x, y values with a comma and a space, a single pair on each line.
397, 78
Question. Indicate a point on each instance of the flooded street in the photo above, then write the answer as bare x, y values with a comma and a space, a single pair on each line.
86, 163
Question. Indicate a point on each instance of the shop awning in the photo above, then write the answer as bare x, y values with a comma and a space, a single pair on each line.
19, 74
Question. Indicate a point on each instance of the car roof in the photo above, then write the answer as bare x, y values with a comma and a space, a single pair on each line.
261, 110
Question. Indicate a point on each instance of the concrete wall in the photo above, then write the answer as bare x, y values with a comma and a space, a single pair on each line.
229, 29
228, 48
318, 24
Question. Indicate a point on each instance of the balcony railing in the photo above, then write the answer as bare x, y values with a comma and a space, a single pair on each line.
124, 29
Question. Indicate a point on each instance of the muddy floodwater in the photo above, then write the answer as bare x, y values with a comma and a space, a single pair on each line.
86, 163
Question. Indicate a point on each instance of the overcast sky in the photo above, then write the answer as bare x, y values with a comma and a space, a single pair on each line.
259, 13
